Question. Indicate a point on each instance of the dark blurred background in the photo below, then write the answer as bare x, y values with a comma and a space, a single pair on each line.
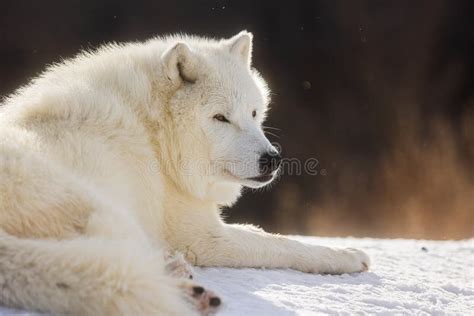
381, 93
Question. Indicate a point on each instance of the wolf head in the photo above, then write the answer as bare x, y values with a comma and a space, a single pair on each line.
214, 115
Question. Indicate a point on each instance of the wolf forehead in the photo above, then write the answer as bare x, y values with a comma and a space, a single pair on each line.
223, 66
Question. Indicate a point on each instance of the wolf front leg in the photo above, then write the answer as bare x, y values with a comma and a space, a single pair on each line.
248, 246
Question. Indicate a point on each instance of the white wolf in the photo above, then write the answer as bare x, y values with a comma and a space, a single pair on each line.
113, 167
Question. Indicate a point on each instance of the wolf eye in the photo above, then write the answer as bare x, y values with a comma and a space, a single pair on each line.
254, 113
221, 118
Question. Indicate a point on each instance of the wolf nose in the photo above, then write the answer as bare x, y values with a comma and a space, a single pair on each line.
269, 162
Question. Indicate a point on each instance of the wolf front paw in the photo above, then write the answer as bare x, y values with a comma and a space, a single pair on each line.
357, 260
177, 266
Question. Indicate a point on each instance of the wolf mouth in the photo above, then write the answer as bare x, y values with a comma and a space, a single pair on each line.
264, 178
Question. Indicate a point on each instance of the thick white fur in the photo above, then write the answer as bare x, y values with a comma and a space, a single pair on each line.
111, 158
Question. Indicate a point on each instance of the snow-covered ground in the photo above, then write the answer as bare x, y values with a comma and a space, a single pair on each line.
407, 277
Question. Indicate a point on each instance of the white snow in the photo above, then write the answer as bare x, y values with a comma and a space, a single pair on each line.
407, 277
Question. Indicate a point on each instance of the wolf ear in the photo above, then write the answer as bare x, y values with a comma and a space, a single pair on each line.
240, 45
180, 64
